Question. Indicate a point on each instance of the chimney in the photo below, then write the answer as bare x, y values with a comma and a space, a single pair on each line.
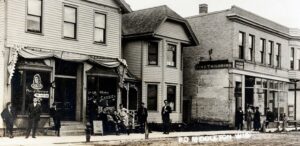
203, 8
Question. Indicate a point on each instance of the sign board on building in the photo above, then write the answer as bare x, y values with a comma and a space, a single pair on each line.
218, 64
98, 127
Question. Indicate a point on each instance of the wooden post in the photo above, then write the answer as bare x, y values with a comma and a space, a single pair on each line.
146, 131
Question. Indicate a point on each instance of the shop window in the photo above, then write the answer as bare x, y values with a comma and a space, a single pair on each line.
171, 55
99, 28
241, 45
102, 89
171, 96
28, 84
153, 53
70, 22
152, 97
34, 16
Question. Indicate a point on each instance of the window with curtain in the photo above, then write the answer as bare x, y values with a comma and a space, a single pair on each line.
100, 28
171, 55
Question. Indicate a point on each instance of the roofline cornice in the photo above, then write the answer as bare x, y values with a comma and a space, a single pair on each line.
240, 19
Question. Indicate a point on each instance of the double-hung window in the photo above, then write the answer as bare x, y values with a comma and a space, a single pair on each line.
277, 55
153, 53
152, 97
171, 55
241, 45
99, 28
292, 58
262, 50
251, 47
171, 96
270, 53
34, 16
70, 22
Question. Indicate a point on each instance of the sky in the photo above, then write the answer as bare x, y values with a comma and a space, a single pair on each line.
285, 12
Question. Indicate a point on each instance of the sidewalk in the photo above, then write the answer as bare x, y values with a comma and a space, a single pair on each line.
80, 140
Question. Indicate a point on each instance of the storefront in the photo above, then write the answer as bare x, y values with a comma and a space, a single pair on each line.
67, 79
263, 93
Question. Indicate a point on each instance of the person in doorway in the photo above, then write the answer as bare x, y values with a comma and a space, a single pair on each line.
256, 119
56, 116
239, 119
269, 117
142, 114
93, 112
8, 115
165, 114
34, 112
248, 118
123, 113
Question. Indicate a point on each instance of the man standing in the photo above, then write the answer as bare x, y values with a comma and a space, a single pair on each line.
8, 115
248, 117
34, 112
142, 114
56, 116
256, 119
165, 113
239, 119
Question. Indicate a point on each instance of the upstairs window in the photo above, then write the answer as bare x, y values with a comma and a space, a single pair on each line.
277, 55
171, 55
100, 28
241, 45
70, 22
34, 16
269, 53
153, 53
292, 58
251, 47
262, 51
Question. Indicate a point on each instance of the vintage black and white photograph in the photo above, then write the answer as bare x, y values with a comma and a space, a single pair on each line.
149, 72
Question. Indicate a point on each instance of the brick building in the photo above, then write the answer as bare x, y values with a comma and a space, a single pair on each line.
153, 40
243, 59
61, 52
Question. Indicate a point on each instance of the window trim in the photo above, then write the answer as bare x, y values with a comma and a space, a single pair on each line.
175, 63
157, 99
262, 50
157, 59
76, 21
105, 29
252, 47
176, 100
279, 55
241, 54
41, 19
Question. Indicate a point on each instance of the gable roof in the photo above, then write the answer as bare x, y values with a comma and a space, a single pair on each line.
124, 6
145, 22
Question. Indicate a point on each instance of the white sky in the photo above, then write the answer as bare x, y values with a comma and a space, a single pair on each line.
285, 12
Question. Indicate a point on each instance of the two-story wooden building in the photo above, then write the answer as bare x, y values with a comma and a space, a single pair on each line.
153, 40
60, 51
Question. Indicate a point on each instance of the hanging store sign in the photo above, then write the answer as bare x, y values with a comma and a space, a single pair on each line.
218, 64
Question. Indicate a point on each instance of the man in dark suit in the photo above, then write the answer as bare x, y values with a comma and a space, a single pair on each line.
34, 112
165, 114
239, 119
142, 114
8, 115
56, 116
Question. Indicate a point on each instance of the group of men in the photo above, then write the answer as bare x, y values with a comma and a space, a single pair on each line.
34, 111
9, 115
252, 115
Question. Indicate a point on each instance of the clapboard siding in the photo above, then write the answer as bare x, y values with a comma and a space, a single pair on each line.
1, 21
173, 30
104, 2
52, 28
133, 54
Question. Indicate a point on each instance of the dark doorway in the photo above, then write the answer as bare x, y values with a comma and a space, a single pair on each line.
186, 112
65, 97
